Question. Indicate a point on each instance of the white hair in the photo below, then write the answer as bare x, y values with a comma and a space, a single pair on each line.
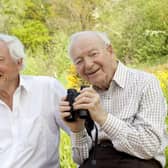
102, 35
15, 47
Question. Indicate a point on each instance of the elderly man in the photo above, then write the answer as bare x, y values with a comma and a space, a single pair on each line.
127, 105
29, 118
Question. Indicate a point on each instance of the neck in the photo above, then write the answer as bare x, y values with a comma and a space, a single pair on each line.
6, 93
106, 84
10, 86
114, 68
6, 98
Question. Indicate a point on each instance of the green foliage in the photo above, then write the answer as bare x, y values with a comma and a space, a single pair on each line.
65, 152
37, 10
155, 46
51, 60
127, 23
32, 33
131, 24
74, 15
166, 153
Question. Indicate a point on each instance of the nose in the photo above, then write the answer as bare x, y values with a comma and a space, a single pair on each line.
88, 63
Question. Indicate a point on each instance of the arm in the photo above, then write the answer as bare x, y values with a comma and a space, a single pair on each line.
58, 91
142, 137
81, 142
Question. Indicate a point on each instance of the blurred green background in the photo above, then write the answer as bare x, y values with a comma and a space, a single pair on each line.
138, 30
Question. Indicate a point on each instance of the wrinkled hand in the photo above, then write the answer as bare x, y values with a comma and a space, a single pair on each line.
64, 108
90, 100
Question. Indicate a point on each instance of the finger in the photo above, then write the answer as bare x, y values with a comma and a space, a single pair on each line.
64, 103
89, 89
65, 114
64, 98
64, 109
86, 106
84, 94
83, 100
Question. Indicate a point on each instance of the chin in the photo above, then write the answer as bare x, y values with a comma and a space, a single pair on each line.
96, 83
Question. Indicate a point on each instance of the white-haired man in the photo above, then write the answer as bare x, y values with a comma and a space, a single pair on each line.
29, 119
127, 106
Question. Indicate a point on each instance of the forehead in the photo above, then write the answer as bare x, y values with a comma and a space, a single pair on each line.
85, 43
4, 51
3, 46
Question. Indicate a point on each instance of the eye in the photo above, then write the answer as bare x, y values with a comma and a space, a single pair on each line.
78, 61
1, 59
93, 54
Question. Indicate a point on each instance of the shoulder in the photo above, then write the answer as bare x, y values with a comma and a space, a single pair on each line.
44, 80
141, 76
140, 80
44, 83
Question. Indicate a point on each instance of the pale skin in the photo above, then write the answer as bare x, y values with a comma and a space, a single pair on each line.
9, 75
95, 63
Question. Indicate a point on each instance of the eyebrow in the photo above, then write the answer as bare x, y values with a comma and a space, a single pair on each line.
93, 49
89, 51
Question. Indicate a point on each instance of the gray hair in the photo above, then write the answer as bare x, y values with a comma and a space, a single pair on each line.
102, 35
15, 46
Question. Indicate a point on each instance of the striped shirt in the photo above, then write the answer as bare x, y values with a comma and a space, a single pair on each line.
136, 117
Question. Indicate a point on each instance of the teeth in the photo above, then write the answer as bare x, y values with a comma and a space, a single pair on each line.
3, 77
90, 73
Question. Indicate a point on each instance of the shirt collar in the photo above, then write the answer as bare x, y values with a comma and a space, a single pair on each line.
120, 74
23, 83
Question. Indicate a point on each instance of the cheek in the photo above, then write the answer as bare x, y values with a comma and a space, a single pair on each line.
80, 69
3, 68
81, 73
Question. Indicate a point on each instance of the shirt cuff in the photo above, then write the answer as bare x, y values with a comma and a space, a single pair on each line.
112, 126
79, 138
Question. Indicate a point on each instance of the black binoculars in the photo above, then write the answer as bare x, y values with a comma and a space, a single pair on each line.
81, 113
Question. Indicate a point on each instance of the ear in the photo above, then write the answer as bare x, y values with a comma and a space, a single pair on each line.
110, 49
20, 63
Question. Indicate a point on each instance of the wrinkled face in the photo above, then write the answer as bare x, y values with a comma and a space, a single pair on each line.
9, 69
93, 60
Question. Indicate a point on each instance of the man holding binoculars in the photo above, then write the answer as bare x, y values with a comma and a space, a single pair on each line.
126, 105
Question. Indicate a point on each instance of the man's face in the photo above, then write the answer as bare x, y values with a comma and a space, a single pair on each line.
9, 69
93, 60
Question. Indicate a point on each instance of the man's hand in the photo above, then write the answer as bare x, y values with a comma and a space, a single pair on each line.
90, 100
75, 126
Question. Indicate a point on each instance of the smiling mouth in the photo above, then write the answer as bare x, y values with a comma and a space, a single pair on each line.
2, 77
93, 72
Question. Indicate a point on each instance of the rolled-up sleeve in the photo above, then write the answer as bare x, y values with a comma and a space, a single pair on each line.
81, 144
